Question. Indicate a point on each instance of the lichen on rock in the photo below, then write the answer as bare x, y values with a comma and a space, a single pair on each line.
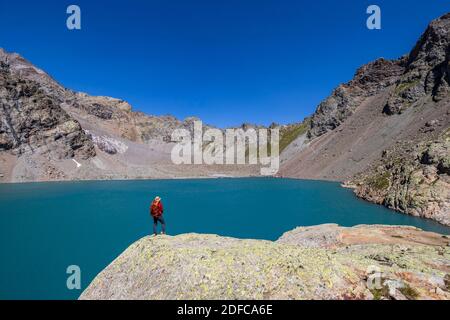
302, 264
411, 178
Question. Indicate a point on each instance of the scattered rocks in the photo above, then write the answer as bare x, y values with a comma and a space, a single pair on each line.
432, 123
368, 81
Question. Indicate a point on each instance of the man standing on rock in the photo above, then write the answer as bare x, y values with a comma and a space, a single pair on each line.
156, 210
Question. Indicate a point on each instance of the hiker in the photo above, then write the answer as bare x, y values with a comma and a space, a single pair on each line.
156, 210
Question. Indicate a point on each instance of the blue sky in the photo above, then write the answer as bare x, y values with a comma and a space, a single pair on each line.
227, 62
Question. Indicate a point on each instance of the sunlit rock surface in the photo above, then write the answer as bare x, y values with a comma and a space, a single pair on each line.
321, 262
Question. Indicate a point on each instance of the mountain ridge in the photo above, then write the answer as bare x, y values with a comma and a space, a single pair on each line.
122, 143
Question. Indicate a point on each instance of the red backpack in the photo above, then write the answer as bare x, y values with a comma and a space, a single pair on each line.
156, 209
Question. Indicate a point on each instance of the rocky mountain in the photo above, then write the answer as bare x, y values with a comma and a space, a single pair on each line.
321, 262
32, 120
111, 114
369, 80
386, 131
44, 127
423, 73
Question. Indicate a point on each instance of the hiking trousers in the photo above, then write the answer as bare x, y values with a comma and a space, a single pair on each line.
155, 224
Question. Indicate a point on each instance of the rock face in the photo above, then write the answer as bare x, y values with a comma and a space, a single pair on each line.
322, 262
33, 121
427, 70
424, 72
369, 80
385, 132
416, 182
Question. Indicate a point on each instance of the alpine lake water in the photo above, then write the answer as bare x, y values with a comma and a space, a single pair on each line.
46, 227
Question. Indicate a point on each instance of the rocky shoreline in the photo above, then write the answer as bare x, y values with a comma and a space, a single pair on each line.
318, 262
416, 182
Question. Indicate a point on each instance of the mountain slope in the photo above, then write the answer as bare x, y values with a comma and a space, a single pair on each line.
45, 126
390, 107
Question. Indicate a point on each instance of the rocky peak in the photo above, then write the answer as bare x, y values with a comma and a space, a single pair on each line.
32, 121
427, 71
433, 46
369, 80
24, 69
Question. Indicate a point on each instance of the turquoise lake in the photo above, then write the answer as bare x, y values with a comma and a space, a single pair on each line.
45, 227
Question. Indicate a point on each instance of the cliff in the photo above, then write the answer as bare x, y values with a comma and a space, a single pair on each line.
321, 262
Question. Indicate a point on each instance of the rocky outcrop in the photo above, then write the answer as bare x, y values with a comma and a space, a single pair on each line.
112, 115
368, 81
427, 71
32, 121
414, 179
321, 262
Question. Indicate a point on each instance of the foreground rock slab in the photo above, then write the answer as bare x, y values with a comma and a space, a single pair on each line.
321, 262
